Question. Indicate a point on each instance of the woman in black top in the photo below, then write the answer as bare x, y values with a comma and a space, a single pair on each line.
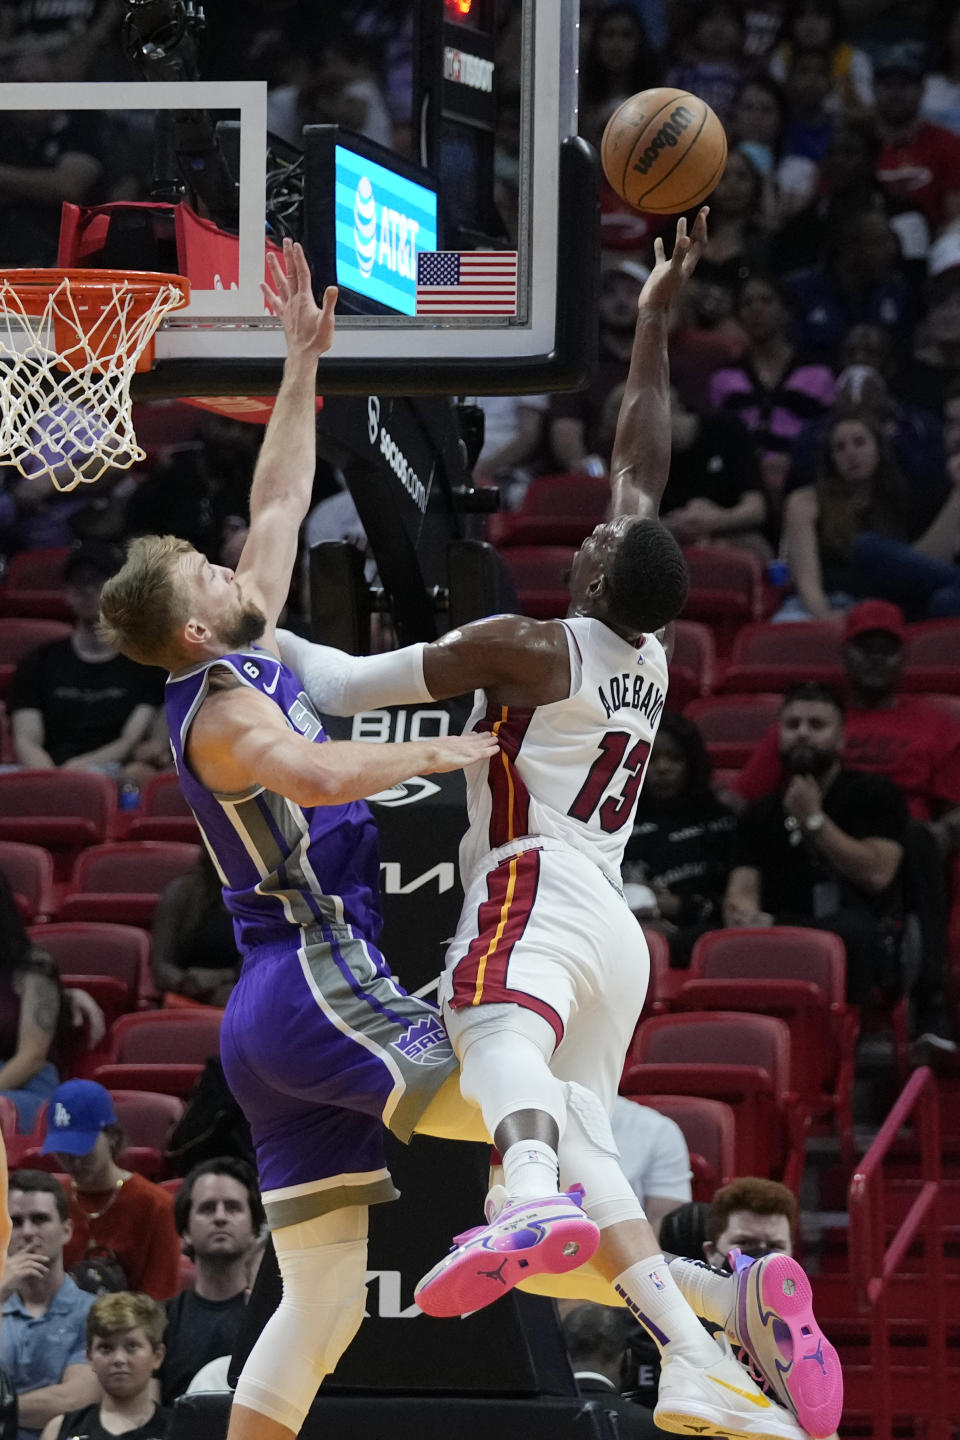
30, 1015
193, 952
680, 846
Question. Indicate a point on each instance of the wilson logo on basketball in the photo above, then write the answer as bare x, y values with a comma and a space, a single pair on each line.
666, 137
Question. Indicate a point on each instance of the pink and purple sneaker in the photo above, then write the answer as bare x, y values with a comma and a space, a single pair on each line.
529, 1237
773, 1321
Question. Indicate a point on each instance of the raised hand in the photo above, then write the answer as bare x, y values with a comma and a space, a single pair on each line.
668, 277
308, 327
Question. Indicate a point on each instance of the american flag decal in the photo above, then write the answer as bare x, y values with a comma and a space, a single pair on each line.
472, 282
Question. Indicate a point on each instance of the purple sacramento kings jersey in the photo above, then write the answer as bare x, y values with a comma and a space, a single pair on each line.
281, 865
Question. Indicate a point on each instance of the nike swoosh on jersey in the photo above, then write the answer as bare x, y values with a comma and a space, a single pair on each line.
761, 1401
269, 689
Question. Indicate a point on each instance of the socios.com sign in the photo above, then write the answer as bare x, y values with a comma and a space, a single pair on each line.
382, 221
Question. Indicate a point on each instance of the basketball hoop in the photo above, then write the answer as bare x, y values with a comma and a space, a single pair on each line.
70, 344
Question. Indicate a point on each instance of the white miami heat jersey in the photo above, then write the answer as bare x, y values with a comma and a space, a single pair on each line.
571, 770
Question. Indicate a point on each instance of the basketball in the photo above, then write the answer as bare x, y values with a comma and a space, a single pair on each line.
663, 150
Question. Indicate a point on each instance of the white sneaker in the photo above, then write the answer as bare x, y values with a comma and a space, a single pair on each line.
719, 1399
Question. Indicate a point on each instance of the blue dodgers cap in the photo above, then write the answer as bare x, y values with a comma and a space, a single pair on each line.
78, 1111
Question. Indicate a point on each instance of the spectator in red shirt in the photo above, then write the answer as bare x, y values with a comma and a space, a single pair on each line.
919, 163
916, 744
912, 741
117, 1217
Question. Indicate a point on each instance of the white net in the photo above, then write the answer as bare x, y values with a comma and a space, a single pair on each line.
65, 373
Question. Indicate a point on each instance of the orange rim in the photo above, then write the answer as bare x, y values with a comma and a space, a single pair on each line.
33, 288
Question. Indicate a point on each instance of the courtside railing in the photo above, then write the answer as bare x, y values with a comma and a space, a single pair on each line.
874, 1262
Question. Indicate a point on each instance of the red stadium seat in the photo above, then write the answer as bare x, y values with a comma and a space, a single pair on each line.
29, 869
33, 586
63, 810
18, 637
123, 881
538, 572
556, 510
664, 981
692, 665
798, 975
146, 1120
732, 725
741, 1059
769, 657
726, 589
932, 657
85, 951
160, 1050
164, 813
709, 1128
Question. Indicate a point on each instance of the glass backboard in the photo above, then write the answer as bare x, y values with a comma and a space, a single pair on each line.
425, 154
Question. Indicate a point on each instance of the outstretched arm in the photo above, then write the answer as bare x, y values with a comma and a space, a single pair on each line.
506, 654
283, 479
640, 463
240, 739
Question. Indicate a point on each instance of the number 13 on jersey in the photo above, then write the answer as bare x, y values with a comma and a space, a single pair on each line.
614, 809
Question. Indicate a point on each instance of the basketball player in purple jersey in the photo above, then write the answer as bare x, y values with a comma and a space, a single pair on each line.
320, 1044
546, 975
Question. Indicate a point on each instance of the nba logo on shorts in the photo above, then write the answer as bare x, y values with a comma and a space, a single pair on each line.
658, 1281
425, 1043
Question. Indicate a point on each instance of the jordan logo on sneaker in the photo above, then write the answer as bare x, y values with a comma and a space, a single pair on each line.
818, 1356
761, 1401
496, 1274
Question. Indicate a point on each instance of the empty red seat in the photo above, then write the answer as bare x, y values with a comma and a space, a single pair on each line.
741, 1059
769, 657
556, 510
123, 881
732, 725
693, 663
29, 869
111, 962
33, 585
538, 574
164, 813
18, 637
709, 1128
726, 589
160, 1050
798, 975
62, 810
147, 1119
932, 657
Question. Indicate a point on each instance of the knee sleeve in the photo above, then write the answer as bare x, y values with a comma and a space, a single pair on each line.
589, 1157
323, 1264
504, 1065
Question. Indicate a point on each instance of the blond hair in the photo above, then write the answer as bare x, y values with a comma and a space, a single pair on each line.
124, 1310
140, 606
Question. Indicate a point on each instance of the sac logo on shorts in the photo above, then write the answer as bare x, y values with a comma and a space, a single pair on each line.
425, 1042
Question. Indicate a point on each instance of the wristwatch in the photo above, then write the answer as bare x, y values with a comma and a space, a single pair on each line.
813, 823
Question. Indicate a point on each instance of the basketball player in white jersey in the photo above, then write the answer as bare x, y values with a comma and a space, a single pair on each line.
547, 973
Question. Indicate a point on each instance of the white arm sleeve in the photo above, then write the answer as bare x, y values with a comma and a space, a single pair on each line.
341, 684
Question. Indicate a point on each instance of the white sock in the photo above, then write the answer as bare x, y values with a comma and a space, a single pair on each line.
709, 1293
531, 1170
653, 1297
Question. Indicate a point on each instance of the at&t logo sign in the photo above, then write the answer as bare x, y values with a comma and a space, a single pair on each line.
365, 226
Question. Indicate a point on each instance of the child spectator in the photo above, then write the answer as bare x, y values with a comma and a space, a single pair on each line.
125, 1349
